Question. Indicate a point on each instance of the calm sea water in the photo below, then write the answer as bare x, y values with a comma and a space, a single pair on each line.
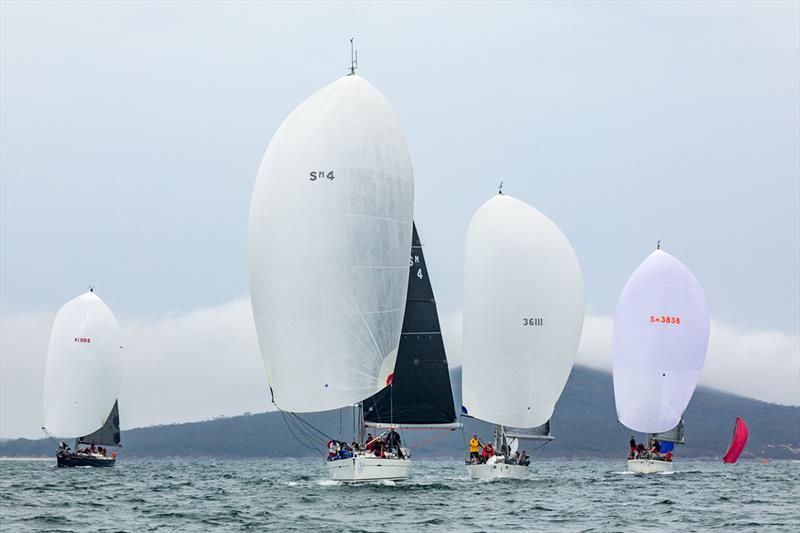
193, 495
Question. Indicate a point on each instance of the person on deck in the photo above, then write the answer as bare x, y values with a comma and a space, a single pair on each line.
346, 452
380, 448
524, 459
332, 450
640, 451
393, 443
488, 451
633, 448
474, 446
371, 443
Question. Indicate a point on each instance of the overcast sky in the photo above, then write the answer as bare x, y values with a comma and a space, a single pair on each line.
131, 135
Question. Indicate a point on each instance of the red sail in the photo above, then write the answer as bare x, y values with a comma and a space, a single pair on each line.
737, 442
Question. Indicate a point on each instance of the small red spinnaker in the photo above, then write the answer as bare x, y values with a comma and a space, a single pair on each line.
737, 442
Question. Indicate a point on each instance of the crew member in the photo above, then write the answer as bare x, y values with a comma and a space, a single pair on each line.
474, 446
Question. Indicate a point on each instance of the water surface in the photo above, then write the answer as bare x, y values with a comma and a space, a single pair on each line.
573, 495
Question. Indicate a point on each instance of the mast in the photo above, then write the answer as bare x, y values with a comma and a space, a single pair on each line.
353, 58
360, 439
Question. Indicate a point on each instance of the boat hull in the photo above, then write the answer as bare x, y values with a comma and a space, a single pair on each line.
361, 468
496, 471
649, 466
65, 461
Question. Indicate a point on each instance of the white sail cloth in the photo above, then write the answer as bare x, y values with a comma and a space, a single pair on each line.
330, 234
83, 374
659, 344
523, 314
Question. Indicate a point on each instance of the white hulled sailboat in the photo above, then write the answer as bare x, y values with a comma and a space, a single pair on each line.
83, 376
523, 315
660, 341
419, 395
329, 237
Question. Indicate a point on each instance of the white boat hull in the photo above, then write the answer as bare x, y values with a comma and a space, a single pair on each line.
496, 471
648, 466
365, 468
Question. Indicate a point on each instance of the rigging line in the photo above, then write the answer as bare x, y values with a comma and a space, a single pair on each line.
312, 427
464, 438
541, 447
311, 437
306, 433
303, 444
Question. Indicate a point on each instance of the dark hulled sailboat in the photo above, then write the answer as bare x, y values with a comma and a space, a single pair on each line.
108, 435
82, 382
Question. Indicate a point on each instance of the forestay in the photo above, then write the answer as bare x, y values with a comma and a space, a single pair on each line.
330, 230
83, 374
660, 341
523, 314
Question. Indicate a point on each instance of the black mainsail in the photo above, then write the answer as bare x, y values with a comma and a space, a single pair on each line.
108, 435
419, 394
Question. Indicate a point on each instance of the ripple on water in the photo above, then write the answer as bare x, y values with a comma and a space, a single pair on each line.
294, 495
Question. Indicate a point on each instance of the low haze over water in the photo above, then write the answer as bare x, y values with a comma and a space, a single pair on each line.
294, 494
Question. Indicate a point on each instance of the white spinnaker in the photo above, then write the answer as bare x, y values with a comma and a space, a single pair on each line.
523, 314
657, 364
329, 257
83, 374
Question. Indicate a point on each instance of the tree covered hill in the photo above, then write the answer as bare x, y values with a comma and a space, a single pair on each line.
584, 424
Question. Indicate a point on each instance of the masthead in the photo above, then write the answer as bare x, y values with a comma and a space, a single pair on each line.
353, 58
658, 244
500, 188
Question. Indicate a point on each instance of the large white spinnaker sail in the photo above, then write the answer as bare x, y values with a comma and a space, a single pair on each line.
523, 314
83, 374
329, 240
659, 345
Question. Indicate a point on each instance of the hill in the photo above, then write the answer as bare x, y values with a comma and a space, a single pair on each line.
584, 425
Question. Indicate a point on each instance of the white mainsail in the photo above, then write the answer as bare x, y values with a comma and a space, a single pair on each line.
660, 341
523, 314
83, 374
329, 239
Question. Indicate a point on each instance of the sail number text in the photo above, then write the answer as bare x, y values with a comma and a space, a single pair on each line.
83, 339
415, 260
321, 174
665, 319
532, 321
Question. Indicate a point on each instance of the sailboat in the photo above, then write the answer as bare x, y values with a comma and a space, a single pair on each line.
738, 441
659, 345
83, 376
330, 231
523, 315
419, 395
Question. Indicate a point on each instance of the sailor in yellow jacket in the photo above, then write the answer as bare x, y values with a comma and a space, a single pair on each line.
474, 447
